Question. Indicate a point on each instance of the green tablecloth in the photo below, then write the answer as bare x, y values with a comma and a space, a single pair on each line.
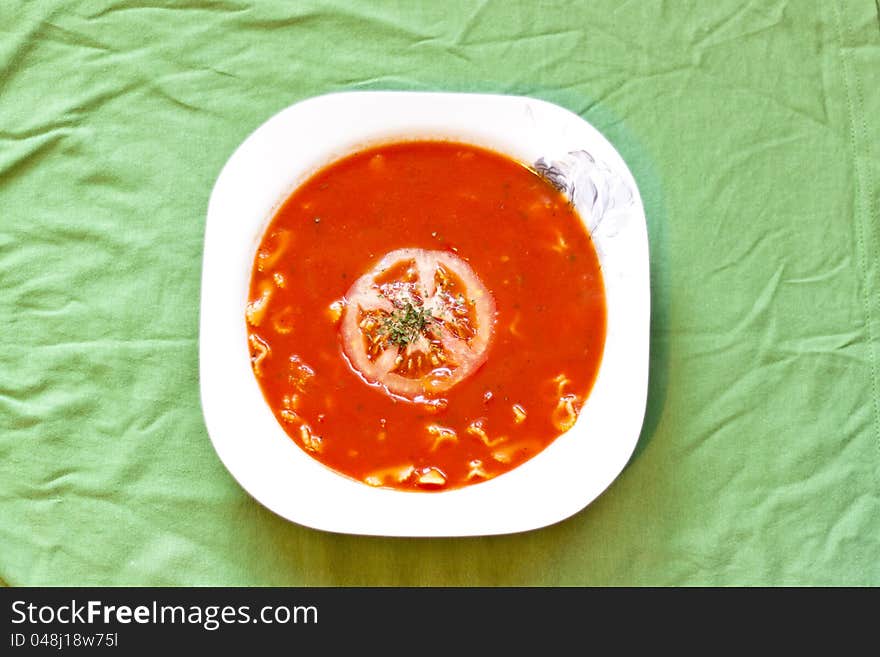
752, 128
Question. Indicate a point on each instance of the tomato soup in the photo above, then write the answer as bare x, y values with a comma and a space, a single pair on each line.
425, 315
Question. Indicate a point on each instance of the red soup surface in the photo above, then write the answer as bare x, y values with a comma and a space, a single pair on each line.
425, 315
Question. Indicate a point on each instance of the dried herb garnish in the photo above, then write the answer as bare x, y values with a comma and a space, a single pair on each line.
406, 323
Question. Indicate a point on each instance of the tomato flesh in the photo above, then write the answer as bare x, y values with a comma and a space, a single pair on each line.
418, 323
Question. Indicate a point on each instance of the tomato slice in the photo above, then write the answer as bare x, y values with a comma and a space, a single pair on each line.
418, 323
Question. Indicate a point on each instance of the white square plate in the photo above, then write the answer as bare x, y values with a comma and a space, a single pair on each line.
292, 145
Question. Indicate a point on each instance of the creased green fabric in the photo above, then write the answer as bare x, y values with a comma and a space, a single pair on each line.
753, 129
